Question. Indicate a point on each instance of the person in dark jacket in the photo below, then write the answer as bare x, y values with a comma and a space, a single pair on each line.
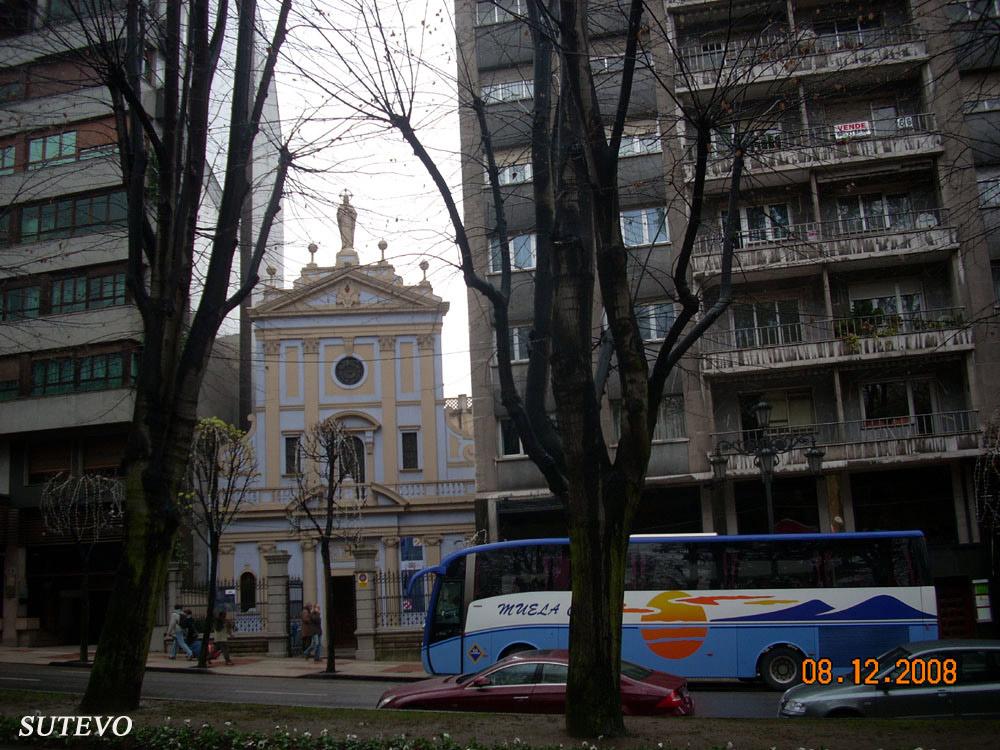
307, 630
317, 636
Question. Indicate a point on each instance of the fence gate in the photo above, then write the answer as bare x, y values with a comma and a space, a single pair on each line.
294, 622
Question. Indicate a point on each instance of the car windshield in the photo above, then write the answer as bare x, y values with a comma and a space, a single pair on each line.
635, 671
464, 678
887, 661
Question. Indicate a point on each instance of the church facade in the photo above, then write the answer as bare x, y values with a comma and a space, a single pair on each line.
353, 342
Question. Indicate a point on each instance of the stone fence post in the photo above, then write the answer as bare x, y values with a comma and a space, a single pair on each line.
364, 597
277, 602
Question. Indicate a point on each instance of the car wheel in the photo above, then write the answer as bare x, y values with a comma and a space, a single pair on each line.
781, 668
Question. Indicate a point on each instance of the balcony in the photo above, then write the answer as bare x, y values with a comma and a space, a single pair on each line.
861, 241
775, 158
770, 58
869, 440
824, 342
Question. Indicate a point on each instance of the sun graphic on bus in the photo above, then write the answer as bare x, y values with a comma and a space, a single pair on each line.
675, 609
673, 642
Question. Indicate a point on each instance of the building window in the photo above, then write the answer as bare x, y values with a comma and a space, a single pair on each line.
52, 377
411, 449
411, 549
349, 371
522, 253
514, 174
616, 63
9, 389
654, 320
987, 104
499, 11
759, 224
669, 421
70, 216
789, 410
7, 154
767, 323
874, 213
293, 455
507, 91
101, 372
644, 226
94, 372
20, 303
510, 442
896, 403
88, 293
520, 340
878, 304
989, 193
639, 144
52, 149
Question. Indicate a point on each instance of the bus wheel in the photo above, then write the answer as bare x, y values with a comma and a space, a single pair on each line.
515, 648
781, 668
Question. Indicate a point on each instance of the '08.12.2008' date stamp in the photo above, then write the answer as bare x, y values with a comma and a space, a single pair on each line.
905, 671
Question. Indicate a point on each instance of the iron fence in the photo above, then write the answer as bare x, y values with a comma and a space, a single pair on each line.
393, 609
244, 600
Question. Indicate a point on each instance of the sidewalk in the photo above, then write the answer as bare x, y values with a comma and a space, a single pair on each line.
249, 665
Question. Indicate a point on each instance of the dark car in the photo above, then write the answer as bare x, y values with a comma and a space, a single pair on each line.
969, 686
535, 682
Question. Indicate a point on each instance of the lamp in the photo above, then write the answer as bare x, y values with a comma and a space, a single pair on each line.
718, 463
762, 412
814, 459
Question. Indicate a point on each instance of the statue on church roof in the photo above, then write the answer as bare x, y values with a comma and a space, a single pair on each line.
347, 217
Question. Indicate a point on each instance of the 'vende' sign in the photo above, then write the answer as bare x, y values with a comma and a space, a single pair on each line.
851, 130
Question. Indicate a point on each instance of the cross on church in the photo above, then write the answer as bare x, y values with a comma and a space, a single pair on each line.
347, 195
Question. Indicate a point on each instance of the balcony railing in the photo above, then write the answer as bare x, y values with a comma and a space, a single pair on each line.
449, 488
785, 55
808, 242
815, 340
868, 439
829, 143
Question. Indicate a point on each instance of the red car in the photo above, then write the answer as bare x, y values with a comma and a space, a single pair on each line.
535, 682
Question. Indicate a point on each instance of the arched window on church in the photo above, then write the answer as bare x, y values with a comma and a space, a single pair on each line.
248, 591
353, 459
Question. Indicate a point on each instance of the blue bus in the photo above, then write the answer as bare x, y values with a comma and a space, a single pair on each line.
695, 605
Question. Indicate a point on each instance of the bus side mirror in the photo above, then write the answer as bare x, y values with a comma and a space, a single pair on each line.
481, 682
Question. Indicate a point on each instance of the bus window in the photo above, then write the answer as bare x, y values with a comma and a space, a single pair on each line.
515, 570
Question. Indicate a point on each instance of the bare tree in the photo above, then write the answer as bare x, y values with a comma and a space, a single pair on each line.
221, 470
580, 257
328, 501
86, 508
181, 258
987, 477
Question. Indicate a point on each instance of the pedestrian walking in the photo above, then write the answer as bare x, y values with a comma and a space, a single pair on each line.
317, 638
223, 627
307, 630
178, 629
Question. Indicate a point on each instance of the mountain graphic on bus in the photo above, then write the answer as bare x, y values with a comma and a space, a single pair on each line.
881, 607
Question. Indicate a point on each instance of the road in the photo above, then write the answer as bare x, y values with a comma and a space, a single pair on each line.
722, 701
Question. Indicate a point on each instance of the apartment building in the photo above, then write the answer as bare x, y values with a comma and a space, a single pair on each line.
863, 303
70, 340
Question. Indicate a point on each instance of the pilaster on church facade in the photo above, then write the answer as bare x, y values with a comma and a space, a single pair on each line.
353, 342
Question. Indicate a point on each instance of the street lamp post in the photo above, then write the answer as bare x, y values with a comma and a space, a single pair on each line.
766, 448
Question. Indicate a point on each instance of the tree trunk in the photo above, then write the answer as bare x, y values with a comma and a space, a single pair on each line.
597, 552
85, 612
115, 683
213, 558
331, 659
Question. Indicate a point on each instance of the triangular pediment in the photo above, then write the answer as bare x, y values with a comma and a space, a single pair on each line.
352, 289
